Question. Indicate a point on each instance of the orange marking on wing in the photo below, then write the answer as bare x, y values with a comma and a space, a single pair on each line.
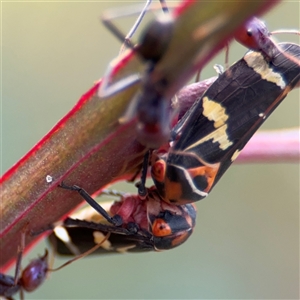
173, 191
158, 170
180, 239
208, 172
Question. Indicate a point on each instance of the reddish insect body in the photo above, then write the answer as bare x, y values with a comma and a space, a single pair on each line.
213, 132
148, 225
31, 278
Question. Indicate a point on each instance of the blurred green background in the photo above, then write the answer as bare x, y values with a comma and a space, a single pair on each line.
246, 242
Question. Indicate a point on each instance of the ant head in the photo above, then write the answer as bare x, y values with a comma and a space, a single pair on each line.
255, 36
155, 39
252, 34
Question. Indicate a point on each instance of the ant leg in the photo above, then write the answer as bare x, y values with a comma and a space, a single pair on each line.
110, 15
142, 191
227, 56
109, 192
107, 88
197, 79
288, 31
21, 248
164, 6
127, 42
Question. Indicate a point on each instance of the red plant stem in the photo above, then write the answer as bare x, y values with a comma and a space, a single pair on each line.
273, 146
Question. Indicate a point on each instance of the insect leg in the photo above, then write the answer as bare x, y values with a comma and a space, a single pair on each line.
115, 220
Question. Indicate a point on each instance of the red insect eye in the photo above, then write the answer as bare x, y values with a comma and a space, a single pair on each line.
161, 228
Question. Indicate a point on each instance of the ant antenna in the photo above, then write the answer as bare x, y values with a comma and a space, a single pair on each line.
88, 252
